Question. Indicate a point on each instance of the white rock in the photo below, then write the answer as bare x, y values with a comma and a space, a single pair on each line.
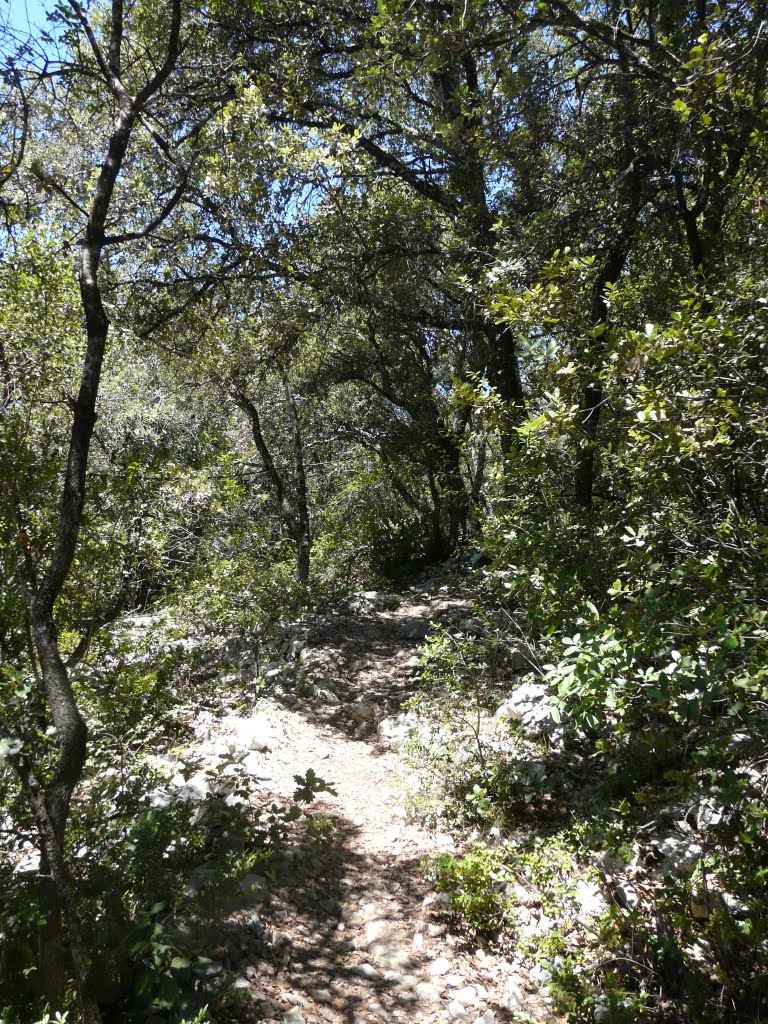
376, 931
293, 1016
439, 966
474, 626
366, 971
522, 700
512, 996
611, 863
709, 813
160, 798
734, 906
680, 855
540, 974
256, 732
193, 790
489, 1017
589, 898
427, 994
700, 950
466, 996
457, 1011
601, 1012
29, 863
627, 893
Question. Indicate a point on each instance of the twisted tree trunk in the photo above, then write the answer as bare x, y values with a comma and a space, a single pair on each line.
50, 800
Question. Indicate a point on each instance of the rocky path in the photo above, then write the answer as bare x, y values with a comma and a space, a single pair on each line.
346, 930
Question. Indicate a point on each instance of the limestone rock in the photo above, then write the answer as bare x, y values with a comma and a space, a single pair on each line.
415, 629
522, 700
531, 706
590, 899
474, 626
680, 855
512, 995
254, 733
439, 967
466, 995
457, 1011
427, 994
29, 863
366, 971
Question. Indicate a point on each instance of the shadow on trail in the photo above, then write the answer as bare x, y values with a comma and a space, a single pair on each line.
351, 662
335, 941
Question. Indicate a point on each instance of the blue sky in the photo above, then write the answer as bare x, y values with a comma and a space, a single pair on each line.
22, 15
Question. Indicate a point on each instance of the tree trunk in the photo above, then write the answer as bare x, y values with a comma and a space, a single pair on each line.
50, 801
303, 528
630, 199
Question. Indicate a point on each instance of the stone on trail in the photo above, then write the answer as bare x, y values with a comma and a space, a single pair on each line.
364, 711
427, 994
293, 1016
439, 966
253, 763
466, 996
489, 1017
254, 733
376, 931
457, 1011
366, 971
512, 997
416, 629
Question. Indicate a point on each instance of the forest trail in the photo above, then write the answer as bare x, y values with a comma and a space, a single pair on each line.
348, 929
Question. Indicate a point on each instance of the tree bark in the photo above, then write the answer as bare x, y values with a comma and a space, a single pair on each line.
303, 528
50, 801
290, 496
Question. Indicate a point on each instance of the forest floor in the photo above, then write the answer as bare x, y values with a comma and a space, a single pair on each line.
344, 928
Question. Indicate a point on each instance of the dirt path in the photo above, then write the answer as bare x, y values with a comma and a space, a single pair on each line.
348, 930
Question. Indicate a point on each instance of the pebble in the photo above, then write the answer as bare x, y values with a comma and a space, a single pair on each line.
376, 930
366, 971
427, 994
466, 996
457, 1011
439, 966
294, 1016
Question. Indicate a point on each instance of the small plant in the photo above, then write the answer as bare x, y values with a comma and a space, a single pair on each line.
477, 885
321, 830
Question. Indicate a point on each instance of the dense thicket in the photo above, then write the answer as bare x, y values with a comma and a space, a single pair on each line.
297, 295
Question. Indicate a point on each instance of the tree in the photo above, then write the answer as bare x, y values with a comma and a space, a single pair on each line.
133, 77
